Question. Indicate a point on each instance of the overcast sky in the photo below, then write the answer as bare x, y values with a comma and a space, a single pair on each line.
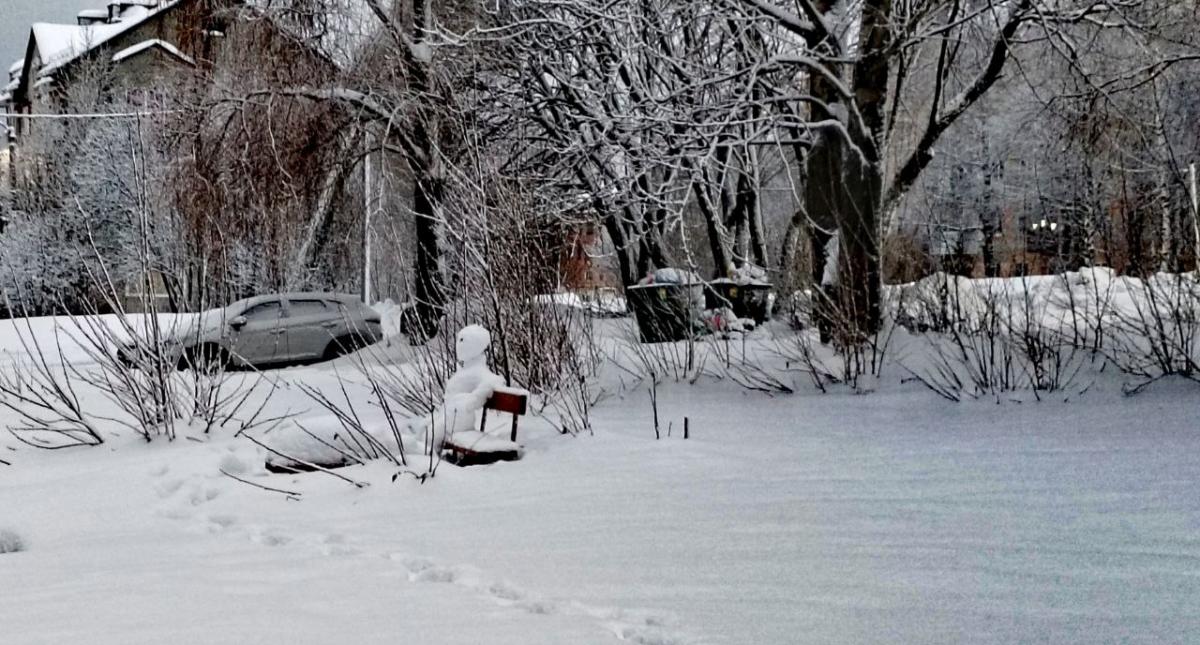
17, 15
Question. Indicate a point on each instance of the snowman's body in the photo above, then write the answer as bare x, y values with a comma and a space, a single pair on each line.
469, 388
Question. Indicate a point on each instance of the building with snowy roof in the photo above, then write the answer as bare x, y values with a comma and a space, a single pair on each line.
137, 43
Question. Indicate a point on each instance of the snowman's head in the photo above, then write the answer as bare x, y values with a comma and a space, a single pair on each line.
473, 342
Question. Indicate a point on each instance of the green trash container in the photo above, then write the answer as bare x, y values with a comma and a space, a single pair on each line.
665, 312
745, 300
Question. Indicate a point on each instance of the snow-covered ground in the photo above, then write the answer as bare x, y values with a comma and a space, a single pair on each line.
892, 516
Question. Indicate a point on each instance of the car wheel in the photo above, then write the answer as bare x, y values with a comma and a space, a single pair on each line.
208, 358
343, 345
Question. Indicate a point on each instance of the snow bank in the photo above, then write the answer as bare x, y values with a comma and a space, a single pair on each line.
606, 303
1062, 302
61, 337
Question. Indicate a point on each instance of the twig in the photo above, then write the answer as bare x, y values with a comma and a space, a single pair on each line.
290, 494
356, 484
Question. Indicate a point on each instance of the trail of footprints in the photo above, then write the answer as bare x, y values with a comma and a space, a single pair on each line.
185, 499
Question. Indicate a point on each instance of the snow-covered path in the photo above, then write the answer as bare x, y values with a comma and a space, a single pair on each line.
891, 517
130, 548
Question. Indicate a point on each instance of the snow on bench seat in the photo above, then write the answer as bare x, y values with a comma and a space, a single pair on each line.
472, 447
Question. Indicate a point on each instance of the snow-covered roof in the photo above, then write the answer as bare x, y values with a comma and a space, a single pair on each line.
130, 52
136, 12
62, 44
93, 14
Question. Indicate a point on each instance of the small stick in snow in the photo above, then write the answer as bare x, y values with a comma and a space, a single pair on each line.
290, 494
654, 404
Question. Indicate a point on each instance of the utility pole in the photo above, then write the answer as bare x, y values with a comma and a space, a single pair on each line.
366, 230
1195, 215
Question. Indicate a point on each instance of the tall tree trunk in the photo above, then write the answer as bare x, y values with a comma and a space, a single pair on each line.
860, 257
429, 191
758, 245
722, 266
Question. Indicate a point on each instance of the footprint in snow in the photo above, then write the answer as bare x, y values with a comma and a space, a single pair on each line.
199, 493
504, 591
270, 538
222, 522
649, 636
413, 565
335, 544
538, 607
174, 513
436, 574
169, 488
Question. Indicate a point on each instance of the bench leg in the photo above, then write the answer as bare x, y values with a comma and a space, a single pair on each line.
513, 438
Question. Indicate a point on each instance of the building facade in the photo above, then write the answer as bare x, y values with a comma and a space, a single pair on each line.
129, 47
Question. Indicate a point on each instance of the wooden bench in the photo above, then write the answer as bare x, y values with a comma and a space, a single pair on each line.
476, 448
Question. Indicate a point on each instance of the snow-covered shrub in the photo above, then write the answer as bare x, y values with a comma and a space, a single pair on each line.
1155, 327
508, 250
837, 363
995, 336
38, 389
397, 392
11, 542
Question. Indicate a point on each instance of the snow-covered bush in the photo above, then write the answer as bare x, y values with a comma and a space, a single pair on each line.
103, 196
1155, 328
986, 337
508, 248
11, 542
839, 363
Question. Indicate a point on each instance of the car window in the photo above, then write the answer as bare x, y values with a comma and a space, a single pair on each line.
307, 307
270, 310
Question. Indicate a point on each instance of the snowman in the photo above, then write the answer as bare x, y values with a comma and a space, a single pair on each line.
469, 388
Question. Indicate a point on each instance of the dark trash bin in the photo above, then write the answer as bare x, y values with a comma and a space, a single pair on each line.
665, 312
745, 300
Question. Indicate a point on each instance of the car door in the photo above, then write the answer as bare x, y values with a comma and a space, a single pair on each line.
312, 323
263, 337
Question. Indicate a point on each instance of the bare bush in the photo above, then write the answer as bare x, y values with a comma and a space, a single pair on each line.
1157, 333
993, 341
38, 389
11, 542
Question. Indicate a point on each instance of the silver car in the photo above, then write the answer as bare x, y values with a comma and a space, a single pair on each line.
270, 329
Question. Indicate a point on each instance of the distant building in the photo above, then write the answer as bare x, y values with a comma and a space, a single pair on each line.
587, 264
957, 249
143, 41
